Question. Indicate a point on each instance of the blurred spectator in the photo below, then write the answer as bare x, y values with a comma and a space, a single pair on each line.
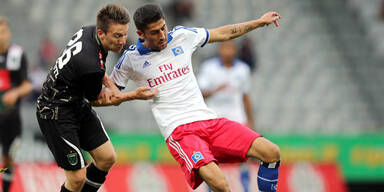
381, 11
182, 10
247, 53
13, 86
48, 52
37, 76
225, 83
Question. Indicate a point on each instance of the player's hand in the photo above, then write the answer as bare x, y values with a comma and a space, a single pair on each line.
221, 87
10, 98
106, 95
271, 17
145, 93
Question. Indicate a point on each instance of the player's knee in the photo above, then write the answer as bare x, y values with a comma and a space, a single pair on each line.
107, 161
76, 180
273, 154
222, 185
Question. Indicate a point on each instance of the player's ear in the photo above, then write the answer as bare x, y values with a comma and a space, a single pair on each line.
100, 33
140, 34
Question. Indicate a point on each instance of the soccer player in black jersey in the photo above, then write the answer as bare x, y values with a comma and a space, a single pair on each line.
14, 84
64, 109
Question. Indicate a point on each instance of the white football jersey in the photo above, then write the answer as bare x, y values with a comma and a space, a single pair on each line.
227, 102
179, 100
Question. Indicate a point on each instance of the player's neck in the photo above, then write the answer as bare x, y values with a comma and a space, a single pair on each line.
228, 63
4, 47
145, 44
100, 42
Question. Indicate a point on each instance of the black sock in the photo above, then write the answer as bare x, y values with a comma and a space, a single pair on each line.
95, 178
63, 189
7, 179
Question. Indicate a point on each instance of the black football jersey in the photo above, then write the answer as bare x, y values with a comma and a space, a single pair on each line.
77, 73
13, 70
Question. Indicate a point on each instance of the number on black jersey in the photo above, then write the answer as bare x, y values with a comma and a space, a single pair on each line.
73, 47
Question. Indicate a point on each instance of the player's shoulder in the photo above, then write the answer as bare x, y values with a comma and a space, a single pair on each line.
89, 29
131, 51
16, 47
88, 36
182, 30
179, 28
241, 65
211, 63
124, 59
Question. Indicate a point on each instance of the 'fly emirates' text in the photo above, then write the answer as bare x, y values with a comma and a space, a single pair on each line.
168, 74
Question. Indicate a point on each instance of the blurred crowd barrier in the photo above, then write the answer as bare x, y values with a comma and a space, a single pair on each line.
150, 177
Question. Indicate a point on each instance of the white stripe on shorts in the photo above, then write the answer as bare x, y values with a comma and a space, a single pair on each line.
181, 155
102, 126
174, 144
77, 150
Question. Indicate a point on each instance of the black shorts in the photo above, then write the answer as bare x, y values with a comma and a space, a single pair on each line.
10, 128
72, 129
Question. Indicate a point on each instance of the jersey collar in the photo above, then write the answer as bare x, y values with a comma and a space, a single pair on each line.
234, 63
100, 45
143, 50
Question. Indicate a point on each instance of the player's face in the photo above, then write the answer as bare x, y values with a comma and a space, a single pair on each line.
115, 38
227, 51
155, 35
5, 34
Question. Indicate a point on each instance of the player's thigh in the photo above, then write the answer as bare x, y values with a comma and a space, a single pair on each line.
230, 141
63, 140
92, 131
191, 152
264, 150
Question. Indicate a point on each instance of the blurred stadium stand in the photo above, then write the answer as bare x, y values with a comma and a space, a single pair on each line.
320, 72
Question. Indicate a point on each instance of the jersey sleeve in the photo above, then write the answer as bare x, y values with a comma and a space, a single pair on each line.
91, 84
198, 36
120, 73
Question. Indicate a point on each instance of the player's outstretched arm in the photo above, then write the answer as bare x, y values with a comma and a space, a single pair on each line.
141, 93
228, 32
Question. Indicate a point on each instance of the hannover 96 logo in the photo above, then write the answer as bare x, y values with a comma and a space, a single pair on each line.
72, 158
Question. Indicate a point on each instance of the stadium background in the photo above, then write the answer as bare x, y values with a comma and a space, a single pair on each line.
317, 92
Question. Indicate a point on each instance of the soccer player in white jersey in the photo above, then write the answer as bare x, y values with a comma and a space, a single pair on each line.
225, 82
195, 136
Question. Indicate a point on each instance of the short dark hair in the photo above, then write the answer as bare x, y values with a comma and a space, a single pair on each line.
111, 14
147, 14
